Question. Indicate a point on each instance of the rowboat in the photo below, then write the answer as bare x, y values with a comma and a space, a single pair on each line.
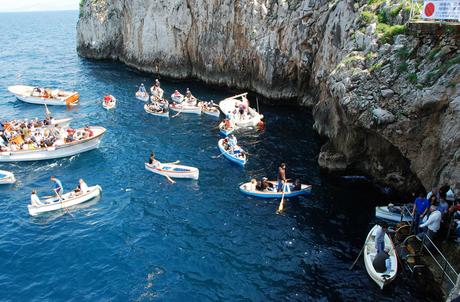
177, 97
229, 107
238, 157
157, 91
44, 96
109, 102
173, 170
393, 213
211, 110
68, 200
6, 177
143, 96
164, 112
370, 252
185, 108
59, 150
248, 189
226, 131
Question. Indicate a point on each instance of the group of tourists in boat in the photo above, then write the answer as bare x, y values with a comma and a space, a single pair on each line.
44, 96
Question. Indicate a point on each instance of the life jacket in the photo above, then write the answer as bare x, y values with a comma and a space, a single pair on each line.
379, 262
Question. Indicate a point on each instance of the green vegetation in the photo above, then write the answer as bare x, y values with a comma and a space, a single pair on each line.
433, 53
419, 86
378, 2
402, 67
435, 74
82, 4
403, 53
368, 17
383, 17
412, 77
350, 59
376, 66
395, 11
389, 31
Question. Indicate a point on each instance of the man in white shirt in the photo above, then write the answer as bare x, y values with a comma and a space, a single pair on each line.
433, 223
34, 200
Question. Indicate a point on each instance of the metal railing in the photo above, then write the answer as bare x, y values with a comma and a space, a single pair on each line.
448, 273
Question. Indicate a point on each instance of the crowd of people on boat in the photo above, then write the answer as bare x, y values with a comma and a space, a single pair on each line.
35, 134
230, 144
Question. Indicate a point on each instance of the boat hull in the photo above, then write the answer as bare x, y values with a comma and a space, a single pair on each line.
384, 213
67, 201
59, 151
225, 132
186, 109
370, 253
305, 190
6, 177
237, 160
142, 97
162, 114
167, 170
23, 92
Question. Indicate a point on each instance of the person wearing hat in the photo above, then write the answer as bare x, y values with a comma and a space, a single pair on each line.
142, 89
382, 261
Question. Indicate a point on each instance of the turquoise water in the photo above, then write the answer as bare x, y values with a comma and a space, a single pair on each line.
146, 239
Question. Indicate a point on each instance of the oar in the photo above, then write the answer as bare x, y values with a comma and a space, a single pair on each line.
180, 110
169, 179
359, 255
217, 156
281, 206
173, 163
62, 203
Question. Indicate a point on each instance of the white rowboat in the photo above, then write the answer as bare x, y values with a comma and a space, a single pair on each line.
209, 110
6, 177
177, 97
392, 213
185, 108
162, 113
246, 188
59, 150
142, 96
381, 279
173, 171
229, 105
112, 103
239, 158
68, 200
57, 97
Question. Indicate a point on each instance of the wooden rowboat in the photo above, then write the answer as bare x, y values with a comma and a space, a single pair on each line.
142, 96
246, 188
185, 108
68, 200
111, 104
6, 177
44, 96
228, 106
382, 279
164, 112
239, 158
173, 171
209, 110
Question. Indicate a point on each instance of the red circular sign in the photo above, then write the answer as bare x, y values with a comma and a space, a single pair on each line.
429, 9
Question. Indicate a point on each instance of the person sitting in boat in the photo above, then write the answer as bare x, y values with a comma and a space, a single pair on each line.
382, 261
142, 89
36, 92
107, 100
69, 137
232, 142
152, 160
297, 185
89, 131
46, 94
228, 124
35, 200
265, 185
252, 186
57, 186
380, 237
82, 187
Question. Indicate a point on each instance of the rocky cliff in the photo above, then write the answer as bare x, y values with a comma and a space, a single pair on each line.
385, 95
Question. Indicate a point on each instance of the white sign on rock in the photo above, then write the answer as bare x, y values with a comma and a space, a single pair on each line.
441, 9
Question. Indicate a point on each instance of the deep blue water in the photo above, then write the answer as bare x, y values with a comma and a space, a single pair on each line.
146, 239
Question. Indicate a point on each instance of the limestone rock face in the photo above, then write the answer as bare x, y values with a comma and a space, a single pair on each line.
385, 95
